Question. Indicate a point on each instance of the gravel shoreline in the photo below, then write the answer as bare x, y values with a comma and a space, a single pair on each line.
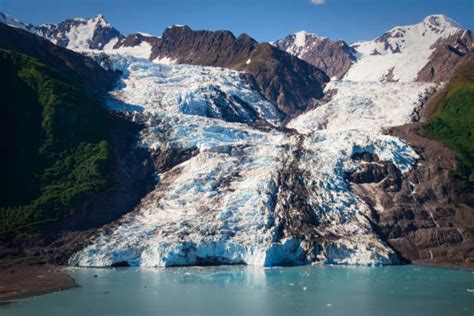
21, 281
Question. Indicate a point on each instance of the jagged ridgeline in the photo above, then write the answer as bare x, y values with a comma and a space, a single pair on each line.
452, 120
55, 151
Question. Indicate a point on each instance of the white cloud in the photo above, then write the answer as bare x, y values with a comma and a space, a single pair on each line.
318, 2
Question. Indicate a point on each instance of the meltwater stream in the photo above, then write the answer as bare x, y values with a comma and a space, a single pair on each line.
242, 290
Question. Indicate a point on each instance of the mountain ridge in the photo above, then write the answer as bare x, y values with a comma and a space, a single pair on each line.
288, 82
404, 53
389, 55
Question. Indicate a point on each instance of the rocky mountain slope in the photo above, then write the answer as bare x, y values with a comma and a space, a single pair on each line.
428, 214
10, 21
333, 57
62, 154
448, 54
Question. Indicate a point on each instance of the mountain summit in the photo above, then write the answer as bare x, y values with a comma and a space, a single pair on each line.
333, 57
441, 22
81, 34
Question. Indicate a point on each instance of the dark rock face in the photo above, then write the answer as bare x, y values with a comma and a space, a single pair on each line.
136, 39
69, 63
333, 57
295, 216
219, 48
227, 108
385, 39
101, 32
426, 215
372, 170
286, 81
447, 56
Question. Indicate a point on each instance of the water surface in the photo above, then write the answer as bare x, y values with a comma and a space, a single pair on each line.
241, 290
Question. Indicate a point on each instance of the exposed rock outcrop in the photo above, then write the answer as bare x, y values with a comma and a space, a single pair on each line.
136, 39
448, 54
373, 170
427, 214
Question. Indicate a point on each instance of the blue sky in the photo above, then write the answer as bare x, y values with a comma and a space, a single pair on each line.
265, 20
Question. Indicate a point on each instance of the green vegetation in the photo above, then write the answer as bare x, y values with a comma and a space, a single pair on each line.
453, 122
55, 152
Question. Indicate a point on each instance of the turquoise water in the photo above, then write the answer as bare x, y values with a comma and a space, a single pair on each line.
240, 290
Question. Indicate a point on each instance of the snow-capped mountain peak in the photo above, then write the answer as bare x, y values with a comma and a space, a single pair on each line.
333, 57
441, 22
299, 40
400, 53
80, 33
101, 21
425, 33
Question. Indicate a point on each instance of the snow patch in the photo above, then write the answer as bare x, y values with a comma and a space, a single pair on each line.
143, 50
300, 38
164, 60
80, 36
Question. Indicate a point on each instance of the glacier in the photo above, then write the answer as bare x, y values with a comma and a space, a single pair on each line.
255, 190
